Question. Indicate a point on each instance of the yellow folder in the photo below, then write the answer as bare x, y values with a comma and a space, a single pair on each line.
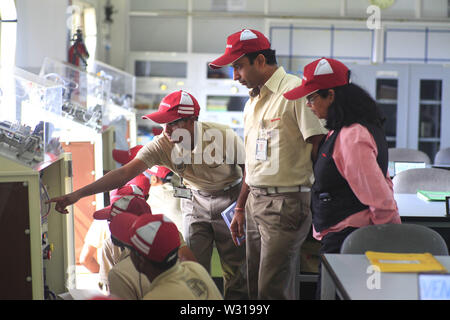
405, 262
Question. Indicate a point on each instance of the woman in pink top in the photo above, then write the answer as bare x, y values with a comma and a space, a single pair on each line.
352, 186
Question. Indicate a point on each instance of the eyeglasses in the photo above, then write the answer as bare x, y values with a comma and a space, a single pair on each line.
310, 99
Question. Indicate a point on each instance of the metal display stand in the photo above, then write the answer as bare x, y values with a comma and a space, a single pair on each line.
36, 241
119, 111
85, 96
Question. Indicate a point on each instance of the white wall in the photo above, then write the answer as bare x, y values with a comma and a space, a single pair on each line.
42, 23
41, 32
119, 41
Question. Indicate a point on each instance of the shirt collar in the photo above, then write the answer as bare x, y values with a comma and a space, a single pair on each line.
274, 81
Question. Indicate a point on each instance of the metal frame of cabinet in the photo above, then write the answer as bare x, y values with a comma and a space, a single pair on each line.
408, 99
29, 267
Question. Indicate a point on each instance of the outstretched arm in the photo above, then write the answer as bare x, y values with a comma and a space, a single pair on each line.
112, 180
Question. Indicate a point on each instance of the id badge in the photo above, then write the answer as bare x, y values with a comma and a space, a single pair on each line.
182, 193
261, 149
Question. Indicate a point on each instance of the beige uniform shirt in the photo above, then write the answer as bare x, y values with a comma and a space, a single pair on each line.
126, 282
285, 125
186, 280
211, 166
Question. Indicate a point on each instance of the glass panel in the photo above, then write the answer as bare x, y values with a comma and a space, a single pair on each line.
430, 121
430, 90
226, 103
390, 112
167, 69
386, 97
387, 89
430, 116
30, 111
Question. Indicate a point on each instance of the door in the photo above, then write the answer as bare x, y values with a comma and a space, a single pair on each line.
83, 168
429, 113
388, 85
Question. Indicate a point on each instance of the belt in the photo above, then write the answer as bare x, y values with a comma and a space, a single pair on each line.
273, 190
234, 184
221, 191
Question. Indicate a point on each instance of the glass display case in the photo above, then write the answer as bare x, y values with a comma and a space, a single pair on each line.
119, 114
123, 86
33, 169
84, 94
29, 110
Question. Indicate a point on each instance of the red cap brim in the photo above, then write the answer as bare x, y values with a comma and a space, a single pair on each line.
103, 214
163, 117
299, 92
120, 227
224, 60
121, 156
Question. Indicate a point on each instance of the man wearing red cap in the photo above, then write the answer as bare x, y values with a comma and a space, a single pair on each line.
119, 274
154, 243
207, 156
280, 137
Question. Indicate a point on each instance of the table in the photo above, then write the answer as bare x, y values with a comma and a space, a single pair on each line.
351, 277
413, 209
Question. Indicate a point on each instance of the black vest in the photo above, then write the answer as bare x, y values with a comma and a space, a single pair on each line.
332, 199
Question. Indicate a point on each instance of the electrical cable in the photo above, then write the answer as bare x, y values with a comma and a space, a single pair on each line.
44, 197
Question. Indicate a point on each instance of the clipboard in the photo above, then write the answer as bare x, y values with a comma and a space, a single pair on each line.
227, 215
405, 262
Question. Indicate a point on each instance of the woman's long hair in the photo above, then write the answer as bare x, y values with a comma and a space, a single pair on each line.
352, 104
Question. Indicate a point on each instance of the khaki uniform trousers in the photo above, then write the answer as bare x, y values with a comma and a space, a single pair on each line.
276, 226
204, 226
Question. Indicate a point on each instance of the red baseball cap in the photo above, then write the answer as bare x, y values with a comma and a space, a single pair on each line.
176, 105
126, 190
131, 204
153, 235
240, 43
125, 156
142, 181
320, 74
159, 171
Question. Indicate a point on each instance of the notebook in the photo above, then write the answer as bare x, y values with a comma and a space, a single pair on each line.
433, 195
405, 262
227, 215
